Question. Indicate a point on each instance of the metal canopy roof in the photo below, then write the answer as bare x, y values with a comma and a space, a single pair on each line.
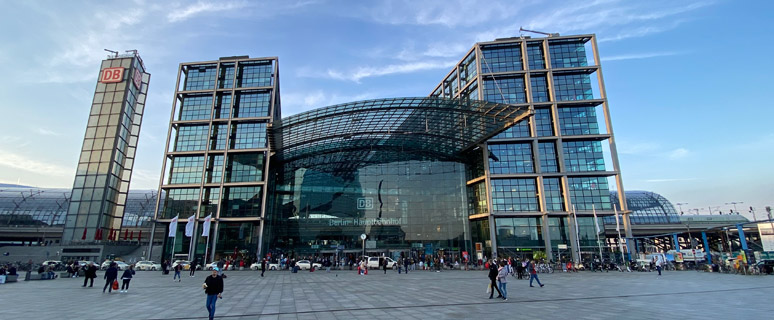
376, 131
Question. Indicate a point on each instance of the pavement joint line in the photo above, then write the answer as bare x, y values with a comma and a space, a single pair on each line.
475, 303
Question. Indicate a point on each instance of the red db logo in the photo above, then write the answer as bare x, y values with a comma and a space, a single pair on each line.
111, 75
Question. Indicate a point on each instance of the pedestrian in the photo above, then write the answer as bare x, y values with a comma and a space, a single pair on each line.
164, 267
213, 287
659, 264
177, 268
126, 277
194, 264
533, 273
384, 265
493, 272
90, 273
221, 263
111, 274
502, 279
263, 266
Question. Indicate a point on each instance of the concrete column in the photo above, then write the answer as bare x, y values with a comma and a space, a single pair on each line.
547, 237
706, 246
742, 239
676, 243
573, 238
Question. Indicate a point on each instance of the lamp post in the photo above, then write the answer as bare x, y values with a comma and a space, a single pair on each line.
680, 205
734, 203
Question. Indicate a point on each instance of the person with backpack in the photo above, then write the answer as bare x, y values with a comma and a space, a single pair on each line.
126, 277
493, 272
533, 273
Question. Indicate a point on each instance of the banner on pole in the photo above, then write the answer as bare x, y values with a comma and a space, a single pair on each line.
173, 227
596, 221
189, 227
206, 226
617, 225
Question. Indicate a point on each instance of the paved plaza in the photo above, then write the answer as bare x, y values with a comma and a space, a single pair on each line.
418, 295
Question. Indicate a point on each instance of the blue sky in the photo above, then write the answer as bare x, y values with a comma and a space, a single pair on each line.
688, 82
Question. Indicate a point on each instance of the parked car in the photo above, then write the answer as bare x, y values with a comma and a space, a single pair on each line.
55, 263
84, 263
147, 265
306, 265
186, 264
373, 263
269, 266
119, 264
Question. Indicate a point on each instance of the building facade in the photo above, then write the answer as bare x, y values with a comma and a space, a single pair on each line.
217, 155
529, 180
96, 208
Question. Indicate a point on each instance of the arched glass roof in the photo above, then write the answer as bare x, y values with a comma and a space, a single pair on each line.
354, 134
647, 208
48, 207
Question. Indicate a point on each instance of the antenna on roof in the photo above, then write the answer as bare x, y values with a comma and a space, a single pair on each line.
113, 52
521, 29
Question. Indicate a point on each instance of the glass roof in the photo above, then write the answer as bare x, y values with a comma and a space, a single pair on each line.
375, 131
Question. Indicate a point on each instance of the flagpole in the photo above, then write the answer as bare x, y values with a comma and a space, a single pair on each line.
596, 223
618, 229
577, 234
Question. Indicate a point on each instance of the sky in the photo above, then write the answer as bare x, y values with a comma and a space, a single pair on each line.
688, 82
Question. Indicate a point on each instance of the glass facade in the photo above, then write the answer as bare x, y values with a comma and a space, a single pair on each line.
217, 158
647, 208
510, 158
107, 154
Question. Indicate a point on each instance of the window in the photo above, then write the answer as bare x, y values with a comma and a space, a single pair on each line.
578, 121
501, 57
226, 77
222, 106
255, 74
195, 107
505, 90
200, 77
539, 88
582, 156
468, 69
547, 153
218, 137
186, 170
535, 54
514, 195
588, 191
241, 202
182, 202
543, 124
519, 130
214, 168
191, 138
510, 158
248, 135
567, 53
552, 188
519, 232
249, 104
245, 167
573, 87
477, 198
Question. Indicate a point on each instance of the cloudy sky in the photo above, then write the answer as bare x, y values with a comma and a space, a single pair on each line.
688, 81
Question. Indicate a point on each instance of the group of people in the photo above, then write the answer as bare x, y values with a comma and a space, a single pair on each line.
500, 270
8, 269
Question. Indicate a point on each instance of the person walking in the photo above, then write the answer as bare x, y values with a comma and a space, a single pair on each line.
533, 273
213, 288
406, 263
194, 264
164, 267
493, 272
384, 265
659, 264
126, 277
177, 268
89, 273
263, 266
502, 279
111, 274
221, 263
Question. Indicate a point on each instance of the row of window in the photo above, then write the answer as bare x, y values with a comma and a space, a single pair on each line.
240, 167
251, 135
249, 74
236, 202
514, 158
248, 104
520, 195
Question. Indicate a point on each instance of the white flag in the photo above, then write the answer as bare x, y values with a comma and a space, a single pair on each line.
617, 225
189, 226
173, 227
596, 223
206, 226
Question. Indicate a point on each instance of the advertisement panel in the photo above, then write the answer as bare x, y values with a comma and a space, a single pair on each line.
767, 235
112, 75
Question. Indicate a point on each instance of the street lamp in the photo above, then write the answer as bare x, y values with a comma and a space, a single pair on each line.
734, 203
680, 205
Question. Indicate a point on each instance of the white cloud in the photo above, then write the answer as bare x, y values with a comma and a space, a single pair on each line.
670, 180
646, 55
182, 14
46, 132
637, 148
294, 102
360, 73
679, 153
21, 162
447, 13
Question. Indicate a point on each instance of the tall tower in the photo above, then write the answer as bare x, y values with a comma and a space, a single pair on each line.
109, 146
217, 156
527, 182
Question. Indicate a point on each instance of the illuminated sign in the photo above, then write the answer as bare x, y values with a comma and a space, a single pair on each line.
111, 75
137, 77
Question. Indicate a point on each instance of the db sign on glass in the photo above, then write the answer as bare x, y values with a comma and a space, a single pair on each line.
111, 75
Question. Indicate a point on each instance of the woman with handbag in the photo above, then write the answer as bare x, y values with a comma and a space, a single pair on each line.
111, 274
126, 277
